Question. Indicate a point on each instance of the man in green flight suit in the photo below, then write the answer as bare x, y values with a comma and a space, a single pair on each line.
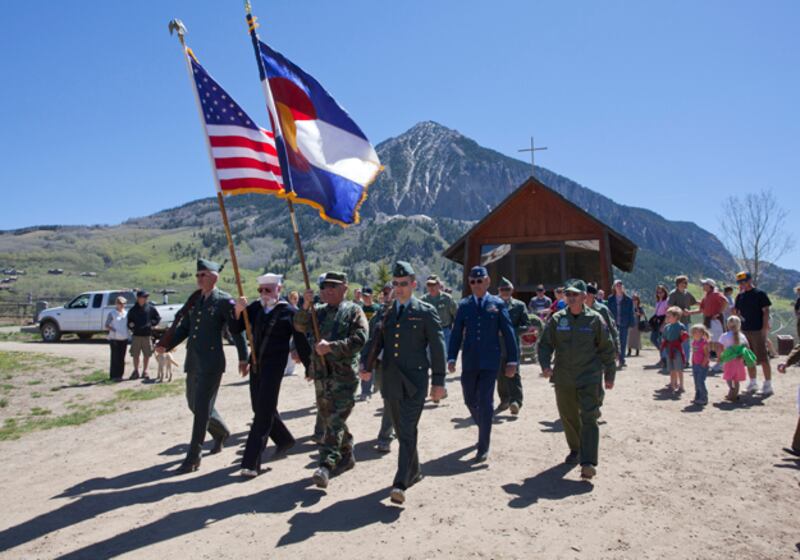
585, 358
209, 310
410, 332
343, 332
509, 389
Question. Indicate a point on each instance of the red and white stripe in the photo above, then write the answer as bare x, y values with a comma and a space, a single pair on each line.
245, 159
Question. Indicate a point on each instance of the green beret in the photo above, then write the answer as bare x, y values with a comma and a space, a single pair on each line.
205, 264
505, 283
402, 268
333, 277
576, 286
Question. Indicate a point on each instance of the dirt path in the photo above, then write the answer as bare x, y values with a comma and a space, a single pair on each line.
673, 482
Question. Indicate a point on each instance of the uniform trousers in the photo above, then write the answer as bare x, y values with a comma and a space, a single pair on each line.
405, 414
385, 435
201, 393
264, 391
579, 409
335, 402
478, 388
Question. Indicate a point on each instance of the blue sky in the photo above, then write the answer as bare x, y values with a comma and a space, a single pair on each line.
670, 106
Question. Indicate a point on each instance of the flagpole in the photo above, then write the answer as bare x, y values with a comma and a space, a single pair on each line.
177, 26
271, 109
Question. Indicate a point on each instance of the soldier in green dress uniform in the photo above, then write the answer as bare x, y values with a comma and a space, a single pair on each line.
334, 368
509, 389
209, 312
410, 333
585, 359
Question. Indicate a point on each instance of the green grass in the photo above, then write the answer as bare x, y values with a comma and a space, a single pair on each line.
35, 382
79, 413
18, 337
36, 395
149, 392
14, 428
3, 403
98, 376
12, 363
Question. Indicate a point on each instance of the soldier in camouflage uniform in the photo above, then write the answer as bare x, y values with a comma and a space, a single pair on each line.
334, 368
509, 389
444, 303
585, 358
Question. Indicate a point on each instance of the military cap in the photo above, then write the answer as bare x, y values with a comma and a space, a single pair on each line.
142, 293
366, 290
210, 266
388, 286
576, 286
478, 272
432, 279
591, 289
505, 283
402, 268
333, 277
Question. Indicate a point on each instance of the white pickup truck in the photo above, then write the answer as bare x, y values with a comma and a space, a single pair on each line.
86, 315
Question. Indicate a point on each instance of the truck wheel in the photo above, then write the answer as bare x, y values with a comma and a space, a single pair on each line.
50, 331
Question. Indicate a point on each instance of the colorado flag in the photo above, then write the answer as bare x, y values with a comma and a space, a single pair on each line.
327, 160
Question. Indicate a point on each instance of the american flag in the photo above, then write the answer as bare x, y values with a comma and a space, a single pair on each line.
244, 154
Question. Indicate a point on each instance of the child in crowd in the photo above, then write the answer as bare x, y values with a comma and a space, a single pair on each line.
735, 357
672, 340
701, 356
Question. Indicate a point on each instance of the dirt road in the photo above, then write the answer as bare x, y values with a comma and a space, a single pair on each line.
674, 482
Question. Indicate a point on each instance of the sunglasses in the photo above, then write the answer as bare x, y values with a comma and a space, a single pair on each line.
401, 283
476, 281
201, 275
742, 281
505, 289
266, 290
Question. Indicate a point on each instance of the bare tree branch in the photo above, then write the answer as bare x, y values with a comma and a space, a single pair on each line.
753, 230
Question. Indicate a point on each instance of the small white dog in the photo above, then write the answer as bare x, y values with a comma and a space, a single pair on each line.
165, 363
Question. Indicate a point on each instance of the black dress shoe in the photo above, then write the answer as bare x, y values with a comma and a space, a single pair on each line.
795, 452
481, 457
188, 466
219, 443
573, 458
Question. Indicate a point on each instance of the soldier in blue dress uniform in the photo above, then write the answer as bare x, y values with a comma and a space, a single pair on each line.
479, 322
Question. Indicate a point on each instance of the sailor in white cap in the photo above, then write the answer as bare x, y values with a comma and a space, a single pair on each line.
272, 320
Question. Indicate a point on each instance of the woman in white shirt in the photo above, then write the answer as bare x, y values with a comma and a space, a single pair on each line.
117, 327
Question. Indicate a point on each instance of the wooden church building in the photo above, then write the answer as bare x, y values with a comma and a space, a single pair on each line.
536, 236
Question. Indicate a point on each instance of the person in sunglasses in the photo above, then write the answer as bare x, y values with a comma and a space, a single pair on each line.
343, 331
410, 331
272, 320
202, 327
479, 322
578, 342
